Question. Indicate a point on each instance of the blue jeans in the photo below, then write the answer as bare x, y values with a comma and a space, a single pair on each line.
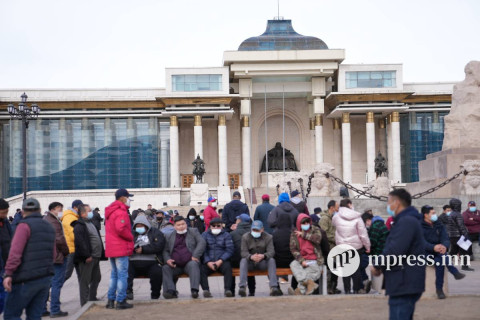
363, 264
56, 286
403, 307
440, 271
30, 295
117, 290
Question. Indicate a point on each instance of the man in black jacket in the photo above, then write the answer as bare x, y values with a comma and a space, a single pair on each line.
88, 253
147, 258
232, 210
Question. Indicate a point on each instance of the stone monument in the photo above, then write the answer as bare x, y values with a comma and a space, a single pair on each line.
275, 160
198, 190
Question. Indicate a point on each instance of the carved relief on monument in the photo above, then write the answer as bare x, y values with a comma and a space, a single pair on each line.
471, 182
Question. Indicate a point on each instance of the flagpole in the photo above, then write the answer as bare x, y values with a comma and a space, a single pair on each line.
266, 140
283, 118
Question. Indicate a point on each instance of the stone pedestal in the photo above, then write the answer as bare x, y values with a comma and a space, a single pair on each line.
198, 194
224, 195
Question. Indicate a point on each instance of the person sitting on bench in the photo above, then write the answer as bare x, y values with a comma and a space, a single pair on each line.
218, 251
183, 251
257, 254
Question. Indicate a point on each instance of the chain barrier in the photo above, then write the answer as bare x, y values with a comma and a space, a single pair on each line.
441, 185
350, 187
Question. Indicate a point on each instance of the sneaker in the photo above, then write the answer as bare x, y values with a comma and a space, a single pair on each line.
194, 294
110, 304
129, 295
467, 268
336, 291
275, 292
228, 294
45, 313
367, 284
59, 314
170, 294
459, 275
251, 294
361, 291
123, 305
440, 294
207, 294
242, 292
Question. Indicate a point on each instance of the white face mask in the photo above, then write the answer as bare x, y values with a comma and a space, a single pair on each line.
182, 232
214, 204
128, 202
216, 231
60, 214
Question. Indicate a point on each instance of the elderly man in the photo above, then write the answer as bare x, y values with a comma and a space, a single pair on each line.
258, 254
183, 250
219, 249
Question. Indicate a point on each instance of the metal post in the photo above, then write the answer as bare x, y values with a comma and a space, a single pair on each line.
24, 138
266, 140
283, 118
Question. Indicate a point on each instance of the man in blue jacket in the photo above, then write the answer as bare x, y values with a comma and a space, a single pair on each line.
436, 237
232, 210
218, 251
404, 282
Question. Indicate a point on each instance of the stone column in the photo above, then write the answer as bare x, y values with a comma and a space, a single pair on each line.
164, 142
346, 148
397, 165
174, 153
337, 146
370, 146
382, 140
246, 154
198, 136
318, 138
222, 151
389, 147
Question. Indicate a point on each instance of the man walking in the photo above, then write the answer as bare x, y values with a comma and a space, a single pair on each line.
6, 235
70, 215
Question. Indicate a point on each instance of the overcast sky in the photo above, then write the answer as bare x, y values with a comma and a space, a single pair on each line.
120, 44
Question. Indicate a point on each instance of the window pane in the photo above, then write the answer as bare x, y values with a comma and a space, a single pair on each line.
190, 78
215, 78
387, 82
203, 78
351, 83
376, 75
364, 75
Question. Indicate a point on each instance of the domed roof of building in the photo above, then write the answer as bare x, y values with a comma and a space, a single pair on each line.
280, 35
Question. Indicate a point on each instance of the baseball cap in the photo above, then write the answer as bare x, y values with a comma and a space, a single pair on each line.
30, 204
216, 221
265, 197
472, 203
244, 217
257, 225
294, 193
211, 199
77, 203
236, 194
122, 193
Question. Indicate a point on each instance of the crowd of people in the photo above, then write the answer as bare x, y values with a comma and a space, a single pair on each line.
40, 252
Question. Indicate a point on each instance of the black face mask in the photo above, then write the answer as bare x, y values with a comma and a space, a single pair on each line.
160, 219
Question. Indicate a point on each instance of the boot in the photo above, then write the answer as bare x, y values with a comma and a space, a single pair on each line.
295, 292
310, 285
459, 275
467, 268
440, 294
123, 305
110, 304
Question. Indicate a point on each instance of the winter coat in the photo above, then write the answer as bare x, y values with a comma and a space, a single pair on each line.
261, 213
97, 220
405, 238
350, 229
83, 247
208, 214
16, 220
6, 235
231, 211
434, 234
242, 228
156, 241
300, 206
314, 236
283, 208
68, 217
454, 222
262, 245
281, 242
197, 223
472, 221
118, 231
60, 242
378, 234
194, 241
218, 247
326, 225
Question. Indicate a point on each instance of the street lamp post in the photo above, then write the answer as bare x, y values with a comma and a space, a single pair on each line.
24, 114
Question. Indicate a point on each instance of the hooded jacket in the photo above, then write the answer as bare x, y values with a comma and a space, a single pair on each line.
454, 222
231, 211
208, 215
350, 229
472, 221
118, 231
68, 217
152, 246
283, 208
281, 241
242, 228
308, 244
326, 225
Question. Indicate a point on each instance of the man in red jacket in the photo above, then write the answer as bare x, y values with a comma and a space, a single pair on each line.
118, 247
471, 217
210, 212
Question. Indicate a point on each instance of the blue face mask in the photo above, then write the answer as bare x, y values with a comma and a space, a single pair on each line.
390, 211
473, 209
201, 218
256, 234
449, 213
305, 227
140, 230
90, 215
434, 218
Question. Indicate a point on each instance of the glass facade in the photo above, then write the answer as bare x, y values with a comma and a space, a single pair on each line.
420, 134
69, 154
370, 79
197, 82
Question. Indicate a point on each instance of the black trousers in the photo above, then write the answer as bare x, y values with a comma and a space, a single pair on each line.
145, 268
357, 281
225, 269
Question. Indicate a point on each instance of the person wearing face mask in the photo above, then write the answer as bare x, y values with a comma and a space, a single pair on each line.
194, 221
326, 224
456, 229
55, 213
119, 246
305, 247
70, 215
210, 212
258, 251
405, 283
218, 252
471, 217
183, 250
147, 259
437, 243
88, 253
